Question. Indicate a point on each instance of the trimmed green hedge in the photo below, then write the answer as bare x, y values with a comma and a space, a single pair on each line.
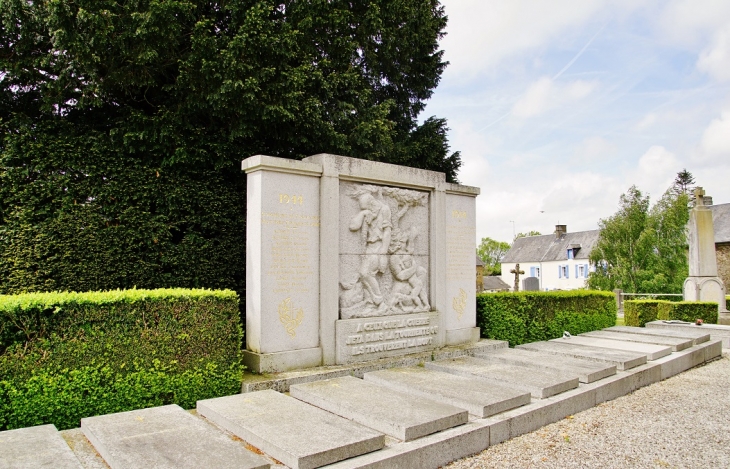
64, 356
688, 311
533, 316
639, 312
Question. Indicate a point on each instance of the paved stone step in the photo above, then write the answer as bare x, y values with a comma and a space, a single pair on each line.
36, 447
652, 352
291, 431
622, 359
481, 398
677, 344
716, 331
392, 412
540, 384
586, 371
698, 336
165, 437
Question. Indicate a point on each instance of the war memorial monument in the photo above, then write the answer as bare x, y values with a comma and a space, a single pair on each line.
351, 260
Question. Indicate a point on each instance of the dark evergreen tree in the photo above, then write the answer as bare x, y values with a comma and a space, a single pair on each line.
124, 124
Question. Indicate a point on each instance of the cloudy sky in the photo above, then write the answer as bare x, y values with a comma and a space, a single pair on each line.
559, 106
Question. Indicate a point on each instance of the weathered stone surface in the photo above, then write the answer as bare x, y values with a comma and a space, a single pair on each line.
293, 432
364, 339
677, 344
716, 331
479, 397
652, 352
697, 336
540, 384
165, 437
392, 412
622, 359
587, 371
36, 447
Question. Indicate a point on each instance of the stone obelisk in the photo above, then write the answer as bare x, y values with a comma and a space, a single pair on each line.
703, 284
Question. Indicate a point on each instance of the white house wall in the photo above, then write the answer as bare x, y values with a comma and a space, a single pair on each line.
549, 274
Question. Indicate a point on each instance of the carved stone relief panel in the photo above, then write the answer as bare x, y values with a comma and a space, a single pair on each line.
384, 250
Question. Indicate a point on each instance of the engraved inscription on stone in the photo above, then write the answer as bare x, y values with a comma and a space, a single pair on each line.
384, 253
290, 264
370, 338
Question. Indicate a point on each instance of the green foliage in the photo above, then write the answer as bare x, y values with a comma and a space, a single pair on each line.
534, 316
124, 124
683, 182
638, 312
64, 356
642, 250
529, 233
491, 252
688, 311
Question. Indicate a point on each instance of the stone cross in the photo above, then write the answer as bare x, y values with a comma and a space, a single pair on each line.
517, 273
699, 196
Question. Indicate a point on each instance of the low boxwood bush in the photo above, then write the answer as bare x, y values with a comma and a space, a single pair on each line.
65, 356
688, 311
639, 312
534, 316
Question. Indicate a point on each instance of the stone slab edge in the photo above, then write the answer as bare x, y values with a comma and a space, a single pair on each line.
437, 450
38, 446
462, 336
716, 331
283, 382
282, 361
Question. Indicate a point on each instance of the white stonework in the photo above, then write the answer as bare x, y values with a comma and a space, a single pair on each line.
334, 241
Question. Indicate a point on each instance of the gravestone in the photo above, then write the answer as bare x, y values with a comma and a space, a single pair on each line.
350, 260
531, 284
703, 283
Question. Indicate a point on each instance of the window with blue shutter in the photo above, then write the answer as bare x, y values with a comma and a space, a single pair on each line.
532, 271
560, 271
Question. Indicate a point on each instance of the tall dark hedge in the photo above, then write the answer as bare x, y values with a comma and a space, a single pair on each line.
123, 125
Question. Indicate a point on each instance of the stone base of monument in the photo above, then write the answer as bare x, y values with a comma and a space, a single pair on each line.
723, 318
411, 416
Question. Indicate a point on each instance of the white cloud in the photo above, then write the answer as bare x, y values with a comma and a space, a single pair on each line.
690, 23
546, 94
594, 149
655, 171
715, 59
646, 122
715, 143
483, 33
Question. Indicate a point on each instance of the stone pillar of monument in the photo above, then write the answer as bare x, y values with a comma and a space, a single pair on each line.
703, 283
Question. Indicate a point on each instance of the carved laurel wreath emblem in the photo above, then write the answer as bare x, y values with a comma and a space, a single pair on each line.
288, 318
459, 303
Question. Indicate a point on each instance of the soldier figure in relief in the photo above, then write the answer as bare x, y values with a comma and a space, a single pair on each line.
374, 223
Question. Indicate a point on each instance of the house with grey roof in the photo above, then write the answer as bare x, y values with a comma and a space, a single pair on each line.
559, 261
721, 223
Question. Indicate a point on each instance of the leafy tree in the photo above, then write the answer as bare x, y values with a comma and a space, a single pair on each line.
124, 123
642, 249
683, 182
529, 233
491, 252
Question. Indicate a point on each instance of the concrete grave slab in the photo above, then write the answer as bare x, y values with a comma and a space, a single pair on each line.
540, 384
652, 352
165, 437
716, 331
293, 432
622, 359
698, 336
392, 412
479, 397
36, 447
677, 344
587, 371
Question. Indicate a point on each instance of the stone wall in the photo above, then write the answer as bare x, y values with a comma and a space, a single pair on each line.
723, 263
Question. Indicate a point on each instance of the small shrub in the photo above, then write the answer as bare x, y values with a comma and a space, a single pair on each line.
534, 316
639, 312
689, 311
65, 356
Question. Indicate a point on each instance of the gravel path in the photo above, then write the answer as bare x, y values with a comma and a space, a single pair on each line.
681, 422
